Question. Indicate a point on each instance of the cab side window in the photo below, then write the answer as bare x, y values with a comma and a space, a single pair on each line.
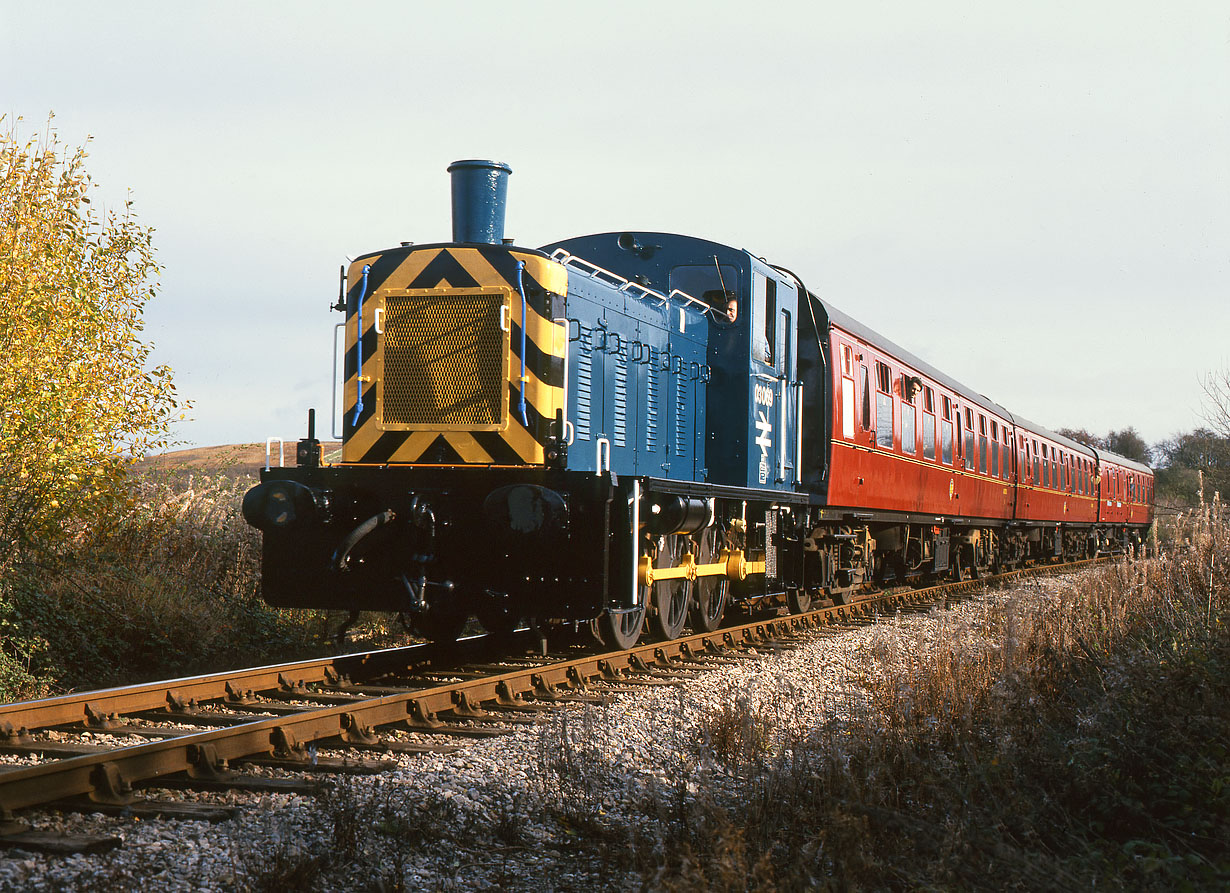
764, 318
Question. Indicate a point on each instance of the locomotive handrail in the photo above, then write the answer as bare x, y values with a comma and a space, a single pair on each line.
690, 300
781, 436
798, 431
333, 416
568, 426
281, 452
563, 256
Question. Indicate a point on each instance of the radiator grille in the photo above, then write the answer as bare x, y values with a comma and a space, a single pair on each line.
651, 405
585, 379
444, 362
621, 401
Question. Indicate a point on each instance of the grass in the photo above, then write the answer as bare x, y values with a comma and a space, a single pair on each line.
171, 588
1040, 742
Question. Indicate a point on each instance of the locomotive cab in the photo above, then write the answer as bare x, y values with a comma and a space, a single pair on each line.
749, 313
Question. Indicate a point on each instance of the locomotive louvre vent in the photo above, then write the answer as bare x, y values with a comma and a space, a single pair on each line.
444, 361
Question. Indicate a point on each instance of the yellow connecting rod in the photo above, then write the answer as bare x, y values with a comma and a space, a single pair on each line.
730, 563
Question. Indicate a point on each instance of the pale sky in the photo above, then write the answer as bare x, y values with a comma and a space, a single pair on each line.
1035, 198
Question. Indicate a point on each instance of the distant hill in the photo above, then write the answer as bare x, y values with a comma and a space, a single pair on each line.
236, 460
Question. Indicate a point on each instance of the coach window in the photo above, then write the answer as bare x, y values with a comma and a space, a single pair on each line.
969, 439
1037, 466
982, 444
909, 433
911, 385
994, 448
866, 395
847, 393
1063, 472
946, 432
884, 407
1006, 468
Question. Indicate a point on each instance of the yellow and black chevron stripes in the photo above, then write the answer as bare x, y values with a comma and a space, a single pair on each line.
440, 344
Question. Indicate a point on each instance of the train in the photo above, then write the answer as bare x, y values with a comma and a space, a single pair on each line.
641, 432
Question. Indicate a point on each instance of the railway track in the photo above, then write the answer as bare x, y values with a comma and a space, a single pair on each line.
94, 750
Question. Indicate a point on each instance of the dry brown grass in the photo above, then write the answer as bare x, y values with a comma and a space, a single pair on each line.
170, 588
236, 460
1071, 736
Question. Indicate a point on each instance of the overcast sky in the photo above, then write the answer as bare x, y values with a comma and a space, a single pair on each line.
1033, 197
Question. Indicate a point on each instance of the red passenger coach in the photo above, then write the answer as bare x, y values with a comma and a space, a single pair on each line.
1125, 491
908, 438
1055, 481
918, 456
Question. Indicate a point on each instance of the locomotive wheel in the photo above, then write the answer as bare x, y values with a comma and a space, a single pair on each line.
711, 592
799, 600
498, 623
441, 624
670, 597
620, 631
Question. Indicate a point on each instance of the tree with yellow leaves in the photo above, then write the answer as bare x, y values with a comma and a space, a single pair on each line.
77, 401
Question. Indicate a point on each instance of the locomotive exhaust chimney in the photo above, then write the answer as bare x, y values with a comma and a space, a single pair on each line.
480, 189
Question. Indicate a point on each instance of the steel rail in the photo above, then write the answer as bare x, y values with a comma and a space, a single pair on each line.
110, 776
82, 706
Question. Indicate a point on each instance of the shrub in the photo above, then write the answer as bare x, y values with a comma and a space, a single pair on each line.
170, 588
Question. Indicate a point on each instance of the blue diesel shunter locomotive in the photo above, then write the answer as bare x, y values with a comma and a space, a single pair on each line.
628, 428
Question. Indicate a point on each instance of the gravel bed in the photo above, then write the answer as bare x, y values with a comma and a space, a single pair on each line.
505, 812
